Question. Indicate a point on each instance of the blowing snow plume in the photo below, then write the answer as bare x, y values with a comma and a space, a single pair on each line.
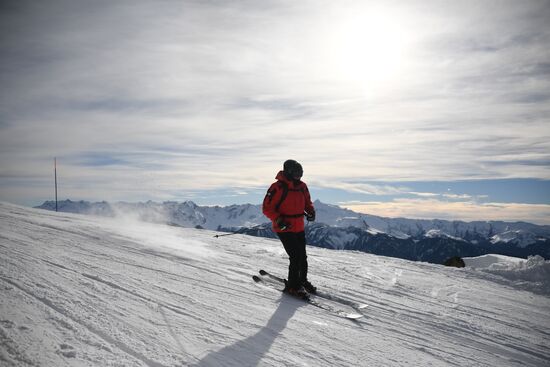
79, 290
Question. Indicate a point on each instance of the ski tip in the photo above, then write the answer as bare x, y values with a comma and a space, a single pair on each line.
354, 316
256, 278
263, 272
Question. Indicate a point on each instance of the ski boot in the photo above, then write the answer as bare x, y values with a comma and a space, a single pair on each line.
298, 292
309, 287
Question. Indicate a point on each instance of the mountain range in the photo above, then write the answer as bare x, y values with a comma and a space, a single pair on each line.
338, 228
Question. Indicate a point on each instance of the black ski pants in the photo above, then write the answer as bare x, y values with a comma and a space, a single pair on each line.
295, 247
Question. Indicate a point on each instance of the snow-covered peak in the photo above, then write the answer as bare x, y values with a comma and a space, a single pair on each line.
437, 233
517, 237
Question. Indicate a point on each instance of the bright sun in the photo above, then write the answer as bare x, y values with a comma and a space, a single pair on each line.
367, 49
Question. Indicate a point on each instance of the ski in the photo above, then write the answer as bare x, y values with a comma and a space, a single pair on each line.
330, 297
316, 303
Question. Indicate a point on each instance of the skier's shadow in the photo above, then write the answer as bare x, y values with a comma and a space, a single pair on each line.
249, 351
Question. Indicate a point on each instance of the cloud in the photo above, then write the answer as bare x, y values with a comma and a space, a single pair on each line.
457, 196
453, 210
192, 96
424, 194
364, 188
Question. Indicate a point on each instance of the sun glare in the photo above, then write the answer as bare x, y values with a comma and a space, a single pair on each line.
367, 49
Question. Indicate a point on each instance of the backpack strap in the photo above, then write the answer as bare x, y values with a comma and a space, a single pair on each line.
284, 186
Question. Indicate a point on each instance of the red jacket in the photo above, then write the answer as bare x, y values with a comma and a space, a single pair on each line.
292, 207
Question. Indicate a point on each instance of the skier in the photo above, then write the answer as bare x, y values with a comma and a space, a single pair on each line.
285, 204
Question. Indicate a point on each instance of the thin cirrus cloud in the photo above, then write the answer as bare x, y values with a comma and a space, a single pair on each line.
190, 98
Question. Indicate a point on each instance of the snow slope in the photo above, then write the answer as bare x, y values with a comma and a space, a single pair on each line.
533, 273
492, 261
90, 291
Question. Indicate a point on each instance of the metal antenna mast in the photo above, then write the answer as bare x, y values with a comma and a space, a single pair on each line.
55, 174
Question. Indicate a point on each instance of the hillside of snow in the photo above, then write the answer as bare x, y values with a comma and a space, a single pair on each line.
531, 272
91, 291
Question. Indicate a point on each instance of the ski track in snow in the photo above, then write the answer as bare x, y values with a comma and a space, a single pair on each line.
87, 291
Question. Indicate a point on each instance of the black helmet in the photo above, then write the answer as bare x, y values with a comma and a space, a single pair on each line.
293, 169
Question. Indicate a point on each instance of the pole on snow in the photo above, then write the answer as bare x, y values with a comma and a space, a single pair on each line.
55, 175
227, 234
259, 226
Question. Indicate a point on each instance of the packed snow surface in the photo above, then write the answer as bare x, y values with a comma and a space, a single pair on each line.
89, 291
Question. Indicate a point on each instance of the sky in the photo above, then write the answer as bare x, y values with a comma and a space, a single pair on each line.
419, 109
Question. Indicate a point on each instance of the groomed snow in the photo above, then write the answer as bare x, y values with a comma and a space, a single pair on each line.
88, 291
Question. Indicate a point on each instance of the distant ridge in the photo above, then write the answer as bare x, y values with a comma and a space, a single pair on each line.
338, 228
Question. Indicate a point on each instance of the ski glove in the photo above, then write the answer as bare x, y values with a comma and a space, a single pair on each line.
310, 216
283, 226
